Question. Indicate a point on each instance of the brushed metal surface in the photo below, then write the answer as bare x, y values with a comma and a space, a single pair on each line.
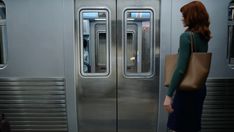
218, 109
34, 104
96, 92
138, 95
114, 103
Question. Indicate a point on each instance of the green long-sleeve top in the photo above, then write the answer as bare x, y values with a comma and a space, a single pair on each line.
184, 52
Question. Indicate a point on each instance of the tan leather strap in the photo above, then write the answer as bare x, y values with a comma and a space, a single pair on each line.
192, 42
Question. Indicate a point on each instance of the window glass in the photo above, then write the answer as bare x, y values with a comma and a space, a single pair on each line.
138, 46
131, 54
3, 42
1, 48
101, 61
94, 43
231, 45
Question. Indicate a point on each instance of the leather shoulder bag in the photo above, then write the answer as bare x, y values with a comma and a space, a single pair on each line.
197, 70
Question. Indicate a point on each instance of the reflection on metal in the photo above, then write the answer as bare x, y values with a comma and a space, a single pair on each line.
218, 107
141, 44
230, 50
131, 55
94, 46
34, 105
96, 89
230, 47
114, 102
137, 81
100, 52
3, 37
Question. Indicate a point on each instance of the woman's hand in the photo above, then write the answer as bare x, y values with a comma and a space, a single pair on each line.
167, 104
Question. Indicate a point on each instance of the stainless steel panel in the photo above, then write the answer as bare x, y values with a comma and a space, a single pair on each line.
218, 112
98, 109
138, 95
41, 44
69, 64
34, 104
35, 31
96, 92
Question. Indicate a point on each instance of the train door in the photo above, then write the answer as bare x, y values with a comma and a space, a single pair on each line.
117, 57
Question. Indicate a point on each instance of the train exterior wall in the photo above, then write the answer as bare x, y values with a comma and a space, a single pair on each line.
41, 53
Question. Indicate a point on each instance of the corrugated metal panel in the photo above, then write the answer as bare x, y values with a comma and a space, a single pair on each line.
218, 112
34, 105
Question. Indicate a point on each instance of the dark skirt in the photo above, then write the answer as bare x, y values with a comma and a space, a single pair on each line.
187, 106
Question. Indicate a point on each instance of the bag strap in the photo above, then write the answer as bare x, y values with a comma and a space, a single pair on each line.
192, 42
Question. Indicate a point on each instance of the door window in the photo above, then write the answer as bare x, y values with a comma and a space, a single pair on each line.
138, 43
94, 43
3, 41
231, 45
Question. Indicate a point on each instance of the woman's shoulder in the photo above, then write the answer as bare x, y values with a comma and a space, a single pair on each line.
186, 34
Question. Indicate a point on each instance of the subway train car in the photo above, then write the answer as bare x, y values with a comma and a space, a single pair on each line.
98, 65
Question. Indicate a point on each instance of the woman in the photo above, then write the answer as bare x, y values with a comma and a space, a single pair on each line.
186, 109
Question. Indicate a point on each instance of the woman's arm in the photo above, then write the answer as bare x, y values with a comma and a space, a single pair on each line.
182, 63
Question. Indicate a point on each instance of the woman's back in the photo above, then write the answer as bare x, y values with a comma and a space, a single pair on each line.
201, 45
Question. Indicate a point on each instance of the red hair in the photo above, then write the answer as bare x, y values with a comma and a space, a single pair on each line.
196, 18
